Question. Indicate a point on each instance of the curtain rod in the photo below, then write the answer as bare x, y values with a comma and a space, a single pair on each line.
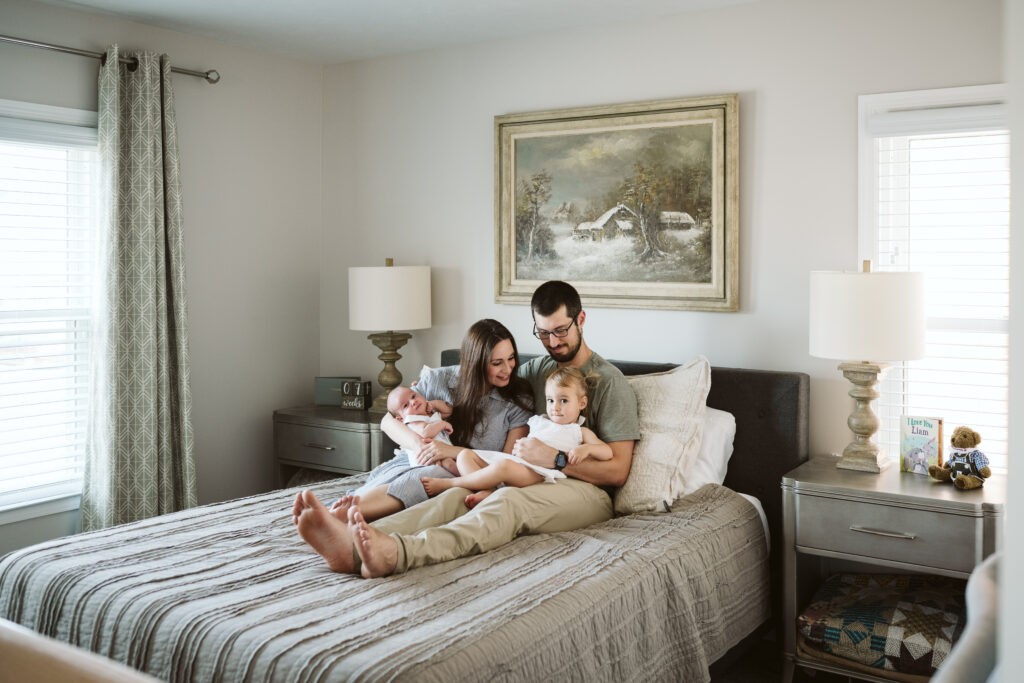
211, 76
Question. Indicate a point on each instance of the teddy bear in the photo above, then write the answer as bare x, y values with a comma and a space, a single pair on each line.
966, 466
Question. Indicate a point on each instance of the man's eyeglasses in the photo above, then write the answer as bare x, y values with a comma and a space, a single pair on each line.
558, 332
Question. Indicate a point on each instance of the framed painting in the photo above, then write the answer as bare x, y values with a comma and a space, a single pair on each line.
635, 204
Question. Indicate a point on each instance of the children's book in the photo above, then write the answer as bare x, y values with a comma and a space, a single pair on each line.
920, 443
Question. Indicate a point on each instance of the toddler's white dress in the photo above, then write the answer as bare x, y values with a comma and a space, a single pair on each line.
562, 437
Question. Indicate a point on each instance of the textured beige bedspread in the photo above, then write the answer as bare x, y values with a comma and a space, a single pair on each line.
229, 592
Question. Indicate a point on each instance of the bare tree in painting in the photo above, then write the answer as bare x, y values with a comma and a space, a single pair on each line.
533, 235
640, 198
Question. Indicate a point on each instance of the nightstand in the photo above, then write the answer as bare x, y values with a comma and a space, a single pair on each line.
328, 439
836, 519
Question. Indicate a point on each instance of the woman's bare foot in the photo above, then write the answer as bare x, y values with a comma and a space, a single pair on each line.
377, 550
339, 508
434, 486
473, 499
330, 537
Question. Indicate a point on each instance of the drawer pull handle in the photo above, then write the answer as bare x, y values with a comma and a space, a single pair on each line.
319, 446
879, 532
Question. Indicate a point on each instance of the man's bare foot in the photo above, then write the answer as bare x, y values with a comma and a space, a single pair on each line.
329, 536
339, 508
449, 464
473, 499
434, 486
297, 507
377, 550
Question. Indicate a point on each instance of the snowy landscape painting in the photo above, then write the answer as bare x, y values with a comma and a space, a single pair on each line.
634, 204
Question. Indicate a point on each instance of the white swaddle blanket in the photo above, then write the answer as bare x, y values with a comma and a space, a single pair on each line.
441, 436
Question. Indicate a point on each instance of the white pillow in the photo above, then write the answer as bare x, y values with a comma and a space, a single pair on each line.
671, 411
712, 462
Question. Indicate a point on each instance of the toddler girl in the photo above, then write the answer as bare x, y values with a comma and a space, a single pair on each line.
565, 393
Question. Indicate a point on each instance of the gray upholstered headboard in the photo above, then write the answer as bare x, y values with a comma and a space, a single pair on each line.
771, 423
771, 410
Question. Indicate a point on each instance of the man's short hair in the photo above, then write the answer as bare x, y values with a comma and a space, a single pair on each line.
554, 294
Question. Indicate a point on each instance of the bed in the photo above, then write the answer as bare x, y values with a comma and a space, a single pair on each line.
229, 592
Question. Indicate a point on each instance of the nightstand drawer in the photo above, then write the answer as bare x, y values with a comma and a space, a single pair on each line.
898, 534
323, 446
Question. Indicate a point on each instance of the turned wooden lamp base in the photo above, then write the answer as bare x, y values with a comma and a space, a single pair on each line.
389, 377
862, 453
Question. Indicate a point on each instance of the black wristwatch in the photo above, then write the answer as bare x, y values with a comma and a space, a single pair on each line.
561, 460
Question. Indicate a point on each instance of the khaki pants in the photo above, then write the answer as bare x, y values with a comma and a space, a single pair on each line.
443, 528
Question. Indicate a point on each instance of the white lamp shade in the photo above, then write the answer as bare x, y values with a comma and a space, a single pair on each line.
389, 298
875, 316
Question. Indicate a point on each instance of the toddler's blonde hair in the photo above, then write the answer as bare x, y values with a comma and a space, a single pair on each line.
570, 377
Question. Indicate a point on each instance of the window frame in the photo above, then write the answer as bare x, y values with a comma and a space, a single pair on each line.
944, 110
978, 106
46, 124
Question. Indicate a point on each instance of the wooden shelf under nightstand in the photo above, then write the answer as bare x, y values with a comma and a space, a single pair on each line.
892, 521
328, 439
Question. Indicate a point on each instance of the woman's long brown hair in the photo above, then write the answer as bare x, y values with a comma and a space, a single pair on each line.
473, 388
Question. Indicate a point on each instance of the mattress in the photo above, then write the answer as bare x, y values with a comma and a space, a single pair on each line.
760, 513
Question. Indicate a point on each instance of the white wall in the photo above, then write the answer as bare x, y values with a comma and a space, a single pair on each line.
409, 154
250, 156
1011, 633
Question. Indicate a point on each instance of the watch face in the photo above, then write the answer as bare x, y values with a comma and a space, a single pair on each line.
561, 460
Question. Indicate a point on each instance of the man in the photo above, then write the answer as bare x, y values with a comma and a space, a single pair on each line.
443, 528
558, 319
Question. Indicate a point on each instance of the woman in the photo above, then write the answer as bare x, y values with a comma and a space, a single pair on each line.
491, 407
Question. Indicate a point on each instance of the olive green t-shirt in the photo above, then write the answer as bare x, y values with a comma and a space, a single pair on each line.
611, 403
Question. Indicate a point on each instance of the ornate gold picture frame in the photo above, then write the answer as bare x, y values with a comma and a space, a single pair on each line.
634, 204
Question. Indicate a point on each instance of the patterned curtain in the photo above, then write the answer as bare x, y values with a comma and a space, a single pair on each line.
139, 459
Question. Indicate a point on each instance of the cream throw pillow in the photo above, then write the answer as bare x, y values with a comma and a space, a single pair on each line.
671, 408
712, 461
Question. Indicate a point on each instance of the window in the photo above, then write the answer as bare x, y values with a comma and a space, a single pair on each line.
935, 198
48, 182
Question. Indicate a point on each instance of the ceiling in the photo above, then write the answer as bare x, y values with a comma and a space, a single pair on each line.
336, 31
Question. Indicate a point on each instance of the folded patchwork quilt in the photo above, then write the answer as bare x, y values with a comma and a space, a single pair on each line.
902, 624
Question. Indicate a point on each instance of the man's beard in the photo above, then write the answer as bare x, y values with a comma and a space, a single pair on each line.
568, 354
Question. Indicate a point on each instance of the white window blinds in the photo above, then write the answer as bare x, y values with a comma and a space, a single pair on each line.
48, 179
935, 189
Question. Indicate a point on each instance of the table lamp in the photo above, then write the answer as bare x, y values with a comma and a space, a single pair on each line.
388, 298
866, 319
